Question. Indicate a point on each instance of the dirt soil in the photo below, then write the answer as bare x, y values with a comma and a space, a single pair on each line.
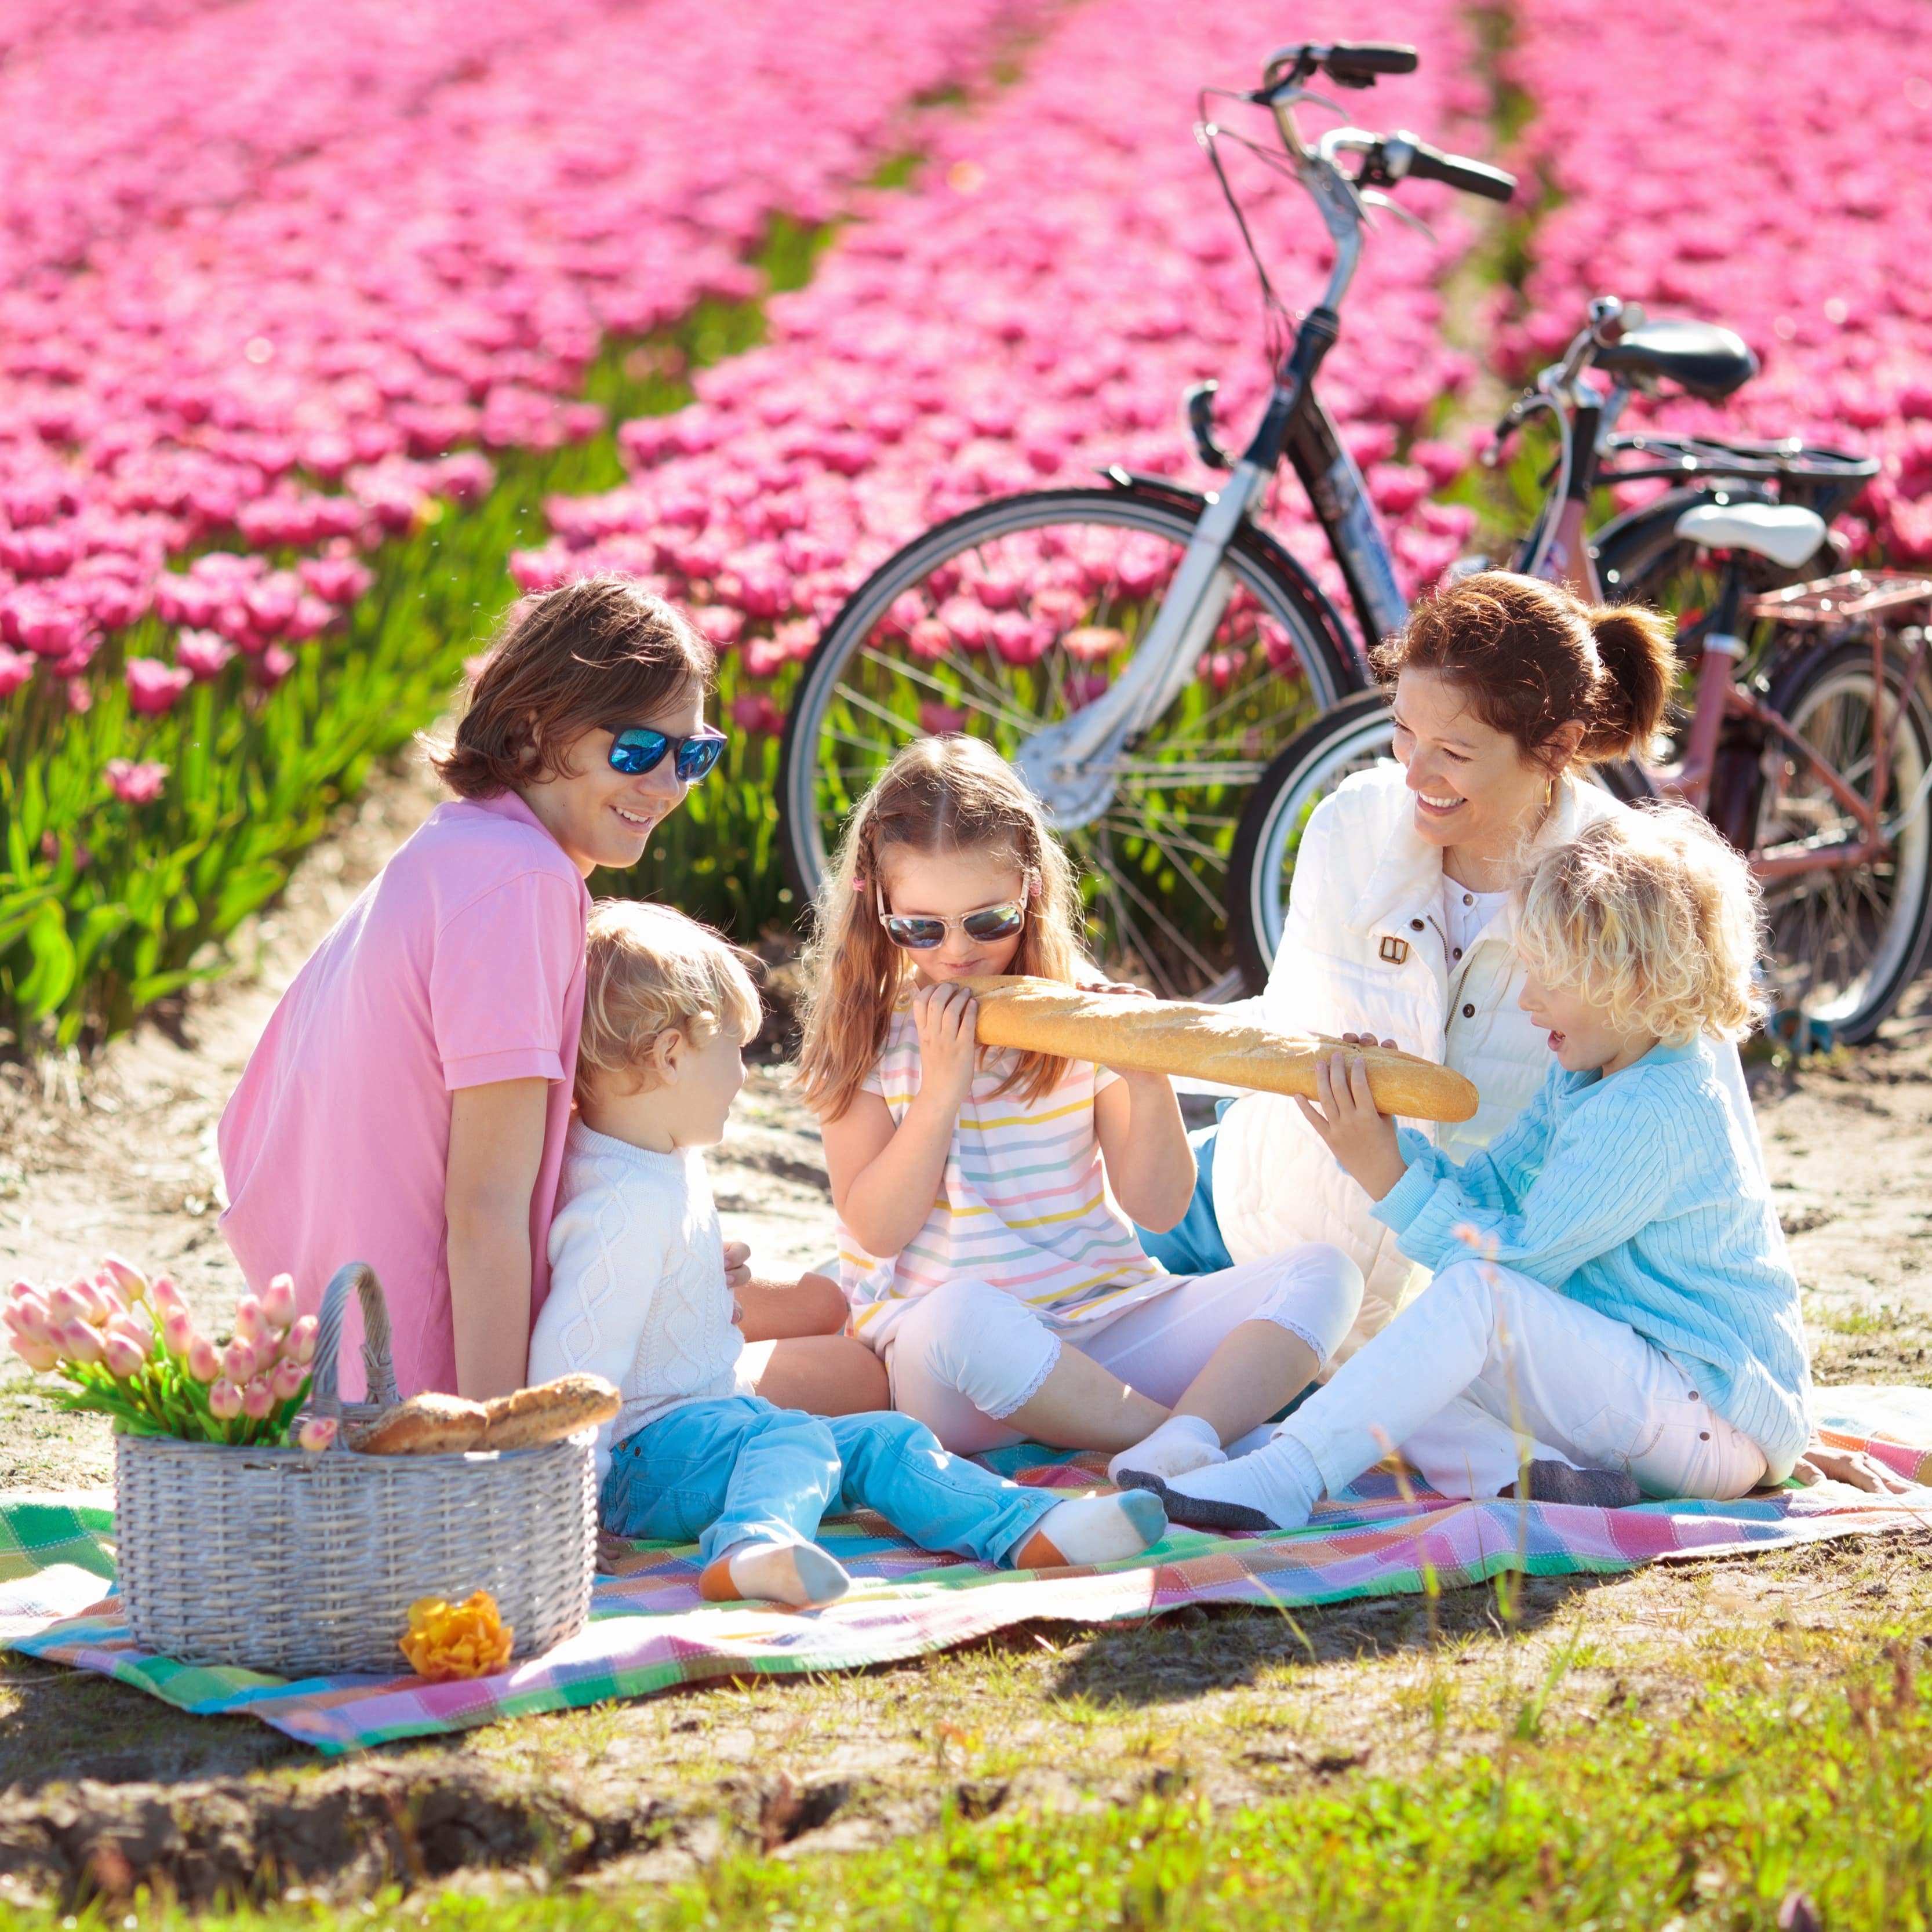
102, 1788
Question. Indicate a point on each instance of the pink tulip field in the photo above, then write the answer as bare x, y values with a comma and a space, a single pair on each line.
1784, 194
302, 373
256, 331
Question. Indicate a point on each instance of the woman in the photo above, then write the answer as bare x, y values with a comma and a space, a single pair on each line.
1506, 690
407, 1103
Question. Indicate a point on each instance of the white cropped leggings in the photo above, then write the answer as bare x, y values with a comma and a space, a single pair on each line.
1483, 1349
968, 1355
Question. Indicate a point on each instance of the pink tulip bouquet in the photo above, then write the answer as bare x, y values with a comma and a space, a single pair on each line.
129, 1348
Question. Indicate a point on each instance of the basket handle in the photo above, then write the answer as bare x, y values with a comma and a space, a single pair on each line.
378, 1364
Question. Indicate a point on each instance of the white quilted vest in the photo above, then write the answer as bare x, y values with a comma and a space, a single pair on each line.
1363, 952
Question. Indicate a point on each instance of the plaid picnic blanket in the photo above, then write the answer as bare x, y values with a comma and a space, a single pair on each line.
650, 1632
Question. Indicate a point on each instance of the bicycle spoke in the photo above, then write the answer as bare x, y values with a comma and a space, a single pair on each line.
876, 748
1099, 564
1168, 842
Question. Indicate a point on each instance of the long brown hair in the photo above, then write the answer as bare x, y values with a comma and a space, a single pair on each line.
1532, 657
601, 652
950, 794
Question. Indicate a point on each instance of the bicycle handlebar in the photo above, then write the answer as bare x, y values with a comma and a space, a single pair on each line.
1356, 63
1406, 156
1347, 63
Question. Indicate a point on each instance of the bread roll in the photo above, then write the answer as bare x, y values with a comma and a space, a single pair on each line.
425, 1425
549, 1412
1203, 1042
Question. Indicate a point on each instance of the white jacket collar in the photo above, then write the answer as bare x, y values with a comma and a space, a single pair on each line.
1410, 870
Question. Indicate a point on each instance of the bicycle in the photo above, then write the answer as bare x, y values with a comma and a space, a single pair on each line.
1138, 649
1786, 748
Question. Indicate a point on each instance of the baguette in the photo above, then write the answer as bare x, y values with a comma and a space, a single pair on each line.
1203, 1042
549, 1412
431, 1424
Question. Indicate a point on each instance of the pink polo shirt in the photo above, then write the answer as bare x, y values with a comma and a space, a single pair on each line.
460, 964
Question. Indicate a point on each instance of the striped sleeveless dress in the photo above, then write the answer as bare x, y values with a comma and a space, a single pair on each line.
1024, 1205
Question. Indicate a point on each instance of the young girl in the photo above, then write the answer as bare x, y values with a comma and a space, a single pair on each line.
983, 1197
1630, 1307
639, 1296
407, 1104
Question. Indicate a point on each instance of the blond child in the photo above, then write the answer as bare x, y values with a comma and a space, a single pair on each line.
1613, 1305
984, 1197
638, 1295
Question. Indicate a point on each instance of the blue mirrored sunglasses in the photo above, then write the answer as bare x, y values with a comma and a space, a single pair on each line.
638, 748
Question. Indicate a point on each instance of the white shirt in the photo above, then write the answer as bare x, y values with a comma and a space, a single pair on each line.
637, 1293
1465, 915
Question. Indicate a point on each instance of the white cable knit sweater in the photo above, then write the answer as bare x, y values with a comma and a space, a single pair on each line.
638, 1292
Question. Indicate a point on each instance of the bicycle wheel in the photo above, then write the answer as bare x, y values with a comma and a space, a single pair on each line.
1357, 734
1844, 944
1013, 616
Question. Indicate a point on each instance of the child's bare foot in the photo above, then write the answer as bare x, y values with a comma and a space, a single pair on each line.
1093, 1529
798, 1573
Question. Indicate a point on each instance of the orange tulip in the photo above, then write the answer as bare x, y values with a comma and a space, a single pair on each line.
451, 1640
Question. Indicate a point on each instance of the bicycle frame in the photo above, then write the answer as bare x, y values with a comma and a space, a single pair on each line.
1070, 765
1829, 601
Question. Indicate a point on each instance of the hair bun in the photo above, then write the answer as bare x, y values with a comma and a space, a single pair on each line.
1637, 647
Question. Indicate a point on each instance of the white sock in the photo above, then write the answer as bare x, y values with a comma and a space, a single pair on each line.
1276, 1488
1093, 1529
1181, 1443
798, 1573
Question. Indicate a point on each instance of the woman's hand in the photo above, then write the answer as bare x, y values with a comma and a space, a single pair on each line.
1369, 1040
1125, 987
1822, 1463
1361, 1139
737, 1265
948, 1050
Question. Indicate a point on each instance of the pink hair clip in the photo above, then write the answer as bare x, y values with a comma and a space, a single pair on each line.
858, 884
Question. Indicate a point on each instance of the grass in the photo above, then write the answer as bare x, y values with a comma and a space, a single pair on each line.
1687, 1746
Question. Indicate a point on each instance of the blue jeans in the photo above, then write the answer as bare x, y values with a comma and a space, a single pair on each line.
1194, 1245
739, 1471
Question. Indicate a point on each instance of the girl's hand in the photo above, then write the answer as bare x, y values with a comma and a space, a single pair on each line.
1369, 1040
1361, 1139
948, 1051
1821, 1463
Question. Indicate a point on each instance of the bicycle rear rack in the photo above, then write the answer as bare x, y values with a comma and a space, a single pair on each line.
1834, 600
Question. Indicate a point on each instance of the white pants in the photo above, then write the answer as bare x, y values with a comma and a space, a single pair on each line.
968, 1355
1486, 1368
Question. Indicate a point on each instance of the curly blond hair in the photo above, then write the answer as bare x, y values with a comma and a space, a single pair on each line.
1654, 918
648, 970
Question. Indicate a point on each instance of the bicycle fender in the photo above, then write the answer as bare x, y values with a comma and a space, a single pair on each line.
1316, 603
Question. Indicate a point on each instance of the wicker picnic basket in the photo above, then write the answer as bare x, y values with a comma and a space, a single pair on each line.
306, 1564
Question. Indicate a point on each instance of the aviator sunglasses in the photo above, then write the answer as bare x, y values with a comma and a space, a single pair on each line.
636, 749
920, 934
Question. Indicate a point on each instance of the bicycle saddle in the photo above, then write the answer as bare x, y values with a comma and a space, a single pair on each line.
1697, 356
1785, 532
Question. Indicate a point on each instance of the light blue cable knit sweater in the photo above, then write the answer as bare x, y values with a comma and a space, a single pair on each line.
1639, 1196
